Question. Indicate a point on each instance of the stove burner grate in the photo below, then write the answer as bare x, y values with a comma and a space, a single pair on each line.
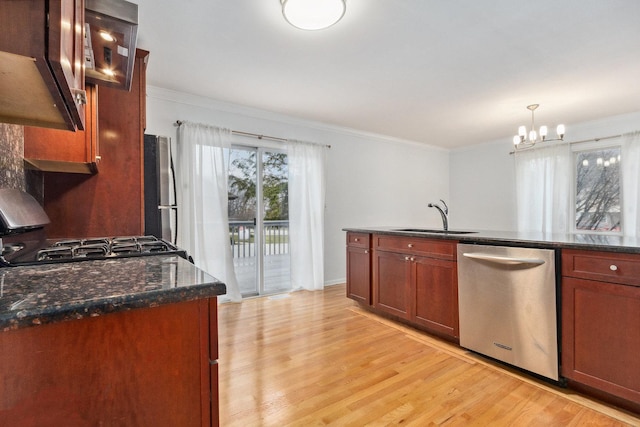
55, 253
69, 250
103, 247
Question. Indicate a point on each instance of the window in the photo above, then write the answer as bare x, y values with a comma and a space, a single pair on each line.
598, 202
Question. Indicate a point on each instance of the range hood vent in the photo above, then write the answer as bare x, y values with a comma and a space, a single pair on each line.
111, 30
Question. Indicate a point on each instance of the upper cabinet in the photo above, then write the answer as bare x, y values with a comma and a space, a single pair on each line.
53, 150
42, 63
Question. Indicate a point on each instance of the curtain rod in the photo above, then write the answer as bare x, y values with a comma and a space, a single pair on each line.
574, 142
252, 135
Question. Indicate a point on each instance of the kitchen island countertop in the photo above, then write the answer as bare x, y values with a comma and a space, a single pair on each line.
40, 294
609, 243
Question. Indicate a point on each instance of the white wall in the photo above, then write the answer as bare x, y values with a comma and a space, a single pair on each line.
482, 177
371, 180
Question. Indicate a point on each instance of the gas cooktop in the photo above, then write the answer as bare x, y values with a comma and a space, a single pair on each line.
29, 252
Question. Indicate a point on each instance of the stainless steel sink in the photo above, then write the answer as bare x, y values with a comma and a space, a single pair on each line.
429, 230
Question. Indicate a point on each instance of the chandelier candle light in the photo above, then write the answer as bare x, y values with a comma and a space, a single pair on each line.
520, 140
313, 14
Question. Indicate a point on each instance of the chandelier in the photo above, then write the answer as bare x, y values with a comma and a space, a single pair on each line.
527, 140
313, 14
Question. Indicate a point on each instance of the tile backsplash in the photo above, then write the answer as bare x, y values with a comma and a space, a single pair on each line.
12, 171
11, 164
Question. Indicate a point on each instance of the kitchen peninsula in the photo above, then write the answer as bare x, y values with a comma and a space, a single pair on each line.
128, 341
411, 275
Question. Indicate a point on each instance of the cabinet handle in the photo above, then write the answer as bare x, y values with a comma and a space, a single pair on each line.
98, 158
410, 245
613, 267
80, 96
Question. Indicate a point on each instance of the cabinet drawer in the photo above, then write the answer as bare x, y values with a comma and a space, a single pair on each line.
359, 240
603, 266
444, 249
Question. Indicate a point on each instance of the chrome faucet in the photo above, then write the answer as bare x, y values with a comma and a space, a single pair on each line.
443, 213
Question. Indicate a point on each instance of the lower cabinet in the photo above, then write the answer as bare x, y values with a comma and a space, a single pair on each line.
147, 367
359, 268
415, 279
435, 301
600, 322
392, 283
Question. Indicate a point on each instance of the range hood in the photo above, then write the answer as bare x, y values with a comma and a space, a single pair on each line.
111, 30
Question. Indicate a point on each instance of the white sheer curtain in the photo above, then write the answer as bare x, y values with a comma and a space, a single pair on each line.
543, 185
202, 198
306, 214
631, 183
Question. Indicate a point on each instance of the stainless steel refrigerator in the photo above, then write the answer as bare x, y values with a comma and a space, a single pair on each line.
160, 210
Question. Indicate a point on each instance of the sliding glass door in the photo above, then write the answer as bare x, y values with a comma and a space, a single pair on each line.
259, 219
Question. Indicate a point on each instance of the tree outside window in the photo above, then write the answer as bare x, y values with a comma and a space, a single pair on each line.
598, 202
242, 185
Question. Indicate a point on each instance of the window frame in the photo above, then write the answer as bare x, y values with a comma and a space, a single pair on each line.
594, 146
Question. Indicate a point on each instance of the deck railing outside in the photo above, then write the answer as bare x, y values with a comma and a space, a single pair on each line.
242, 238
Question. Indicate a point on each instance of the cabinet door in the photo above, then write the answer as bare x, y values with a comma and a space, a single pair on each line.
391, 283
42, 63
435, 297
600, 336
66, 53
211, 396
53, 150
142, 367
359, 274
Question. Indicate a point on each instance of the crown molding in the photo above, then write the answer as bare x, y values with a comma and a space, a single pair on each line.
226, 107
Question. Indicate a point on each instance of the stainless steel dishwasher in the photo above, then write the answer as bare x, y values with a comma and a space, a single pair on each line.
507, 302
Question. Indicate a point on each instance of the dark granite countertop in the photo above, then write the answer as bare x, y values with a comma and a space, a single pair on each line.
510, 238
34, 295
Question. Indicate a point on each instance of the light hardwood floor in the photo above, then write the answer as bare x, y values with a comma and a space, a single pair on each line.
316, 358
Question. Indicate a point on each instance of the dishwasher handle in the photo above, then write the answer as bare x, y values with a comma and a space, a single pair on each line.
504, 260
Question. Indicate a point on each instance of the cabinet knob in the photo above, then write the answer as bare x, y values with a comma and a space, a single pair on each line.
407, 258
98, 158
366, 251
413, 259
410, 245
613, 267
356, 240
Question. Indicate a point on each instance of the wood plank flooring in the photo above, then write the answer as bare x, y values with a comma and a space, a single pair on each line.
316, 359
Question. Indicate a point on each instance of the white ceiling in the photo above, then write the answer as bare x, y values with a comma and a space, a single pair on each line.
444, 72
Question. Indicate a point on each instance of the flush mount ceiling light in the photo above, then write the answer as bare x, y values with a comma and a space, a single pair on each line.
522, 140
313, 14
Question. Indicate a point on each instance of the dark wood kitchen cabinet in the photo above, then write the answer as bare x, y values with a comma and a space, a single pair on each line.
359, 267
415, 279
152, 366
392, 283
435, 297
42, 63
600, 323
53, 150
111, 202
